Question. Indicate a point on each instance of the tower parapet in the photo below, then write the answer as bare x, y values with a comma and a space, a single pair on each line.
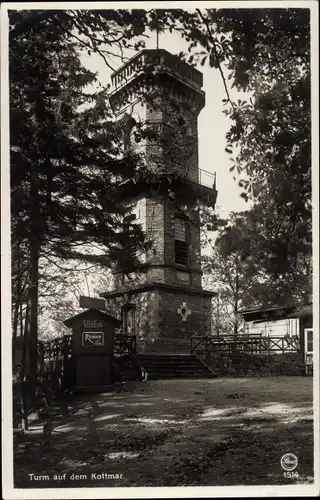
135, 74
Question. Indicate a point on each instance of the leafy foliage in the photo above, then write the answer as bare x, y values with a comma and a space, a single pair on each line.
238, 269
266, 53
233, 269
67, 159
73, 156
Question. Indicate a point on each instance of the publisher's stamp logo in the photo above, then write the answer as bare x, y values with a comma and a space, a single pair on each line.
289, 462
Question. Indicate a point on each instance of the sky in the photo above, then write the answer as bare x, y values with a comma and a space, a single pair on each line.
212, 125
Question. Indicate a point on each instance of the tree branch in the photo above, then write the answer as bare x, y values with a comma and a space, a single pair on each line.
205, 21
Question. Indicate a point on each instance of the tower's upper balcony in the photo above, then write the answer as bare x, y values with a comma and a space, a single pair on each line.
157, 58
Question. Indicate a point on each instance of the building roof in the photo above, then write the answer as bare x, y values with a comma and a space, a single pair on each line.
132, 289
100, 314
288, 311
302, 311
271, 307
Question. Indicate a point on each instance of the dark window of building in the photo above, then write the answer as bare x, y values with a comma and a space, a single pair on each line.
181, 253
309, 340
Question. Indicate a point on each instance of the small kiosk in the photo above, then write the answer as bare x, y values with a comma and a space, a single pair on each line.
92, 349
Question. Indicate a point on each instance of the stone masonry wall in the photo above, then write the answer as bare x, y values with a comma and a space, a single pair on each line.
170, 321
160, 215
178, 145
179, 152
157, 314
240, 364
155, 230
146, 314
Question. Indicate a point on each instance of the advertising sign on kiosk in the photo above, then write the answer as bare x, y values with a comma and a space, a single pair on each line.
92, 349
93, 338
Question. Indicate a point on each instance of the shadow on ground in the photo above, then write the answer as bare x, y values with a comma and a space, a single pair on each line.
172, 433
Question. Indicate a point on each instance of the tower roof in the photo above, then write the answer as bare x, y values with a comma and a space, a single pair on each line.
156, 68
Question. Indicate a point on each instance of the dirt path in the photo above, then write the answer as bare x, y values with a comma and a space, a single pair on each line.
173, 433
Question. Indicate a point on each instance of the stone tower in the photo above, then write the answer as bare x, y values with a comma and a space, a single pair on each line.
162, 300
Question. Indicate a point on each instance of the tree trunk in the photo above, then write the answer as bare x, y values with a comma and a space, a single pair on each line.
17, 298
236, 302
34, 245
21, 317
24, 347
218, 316
32, 331
24, 399
28, 382
235, 326
15, 321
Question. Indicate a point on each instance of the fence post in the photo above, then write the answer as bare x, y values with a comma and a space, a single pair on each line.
135, 344
65, 357
25, 405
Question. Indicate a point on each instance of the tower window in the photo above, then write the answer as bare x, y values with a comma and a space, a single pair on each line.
181, 254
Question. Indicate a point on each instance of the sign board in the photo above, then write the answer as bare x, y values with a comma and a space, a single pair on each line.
92, 302
92, 323
93, 339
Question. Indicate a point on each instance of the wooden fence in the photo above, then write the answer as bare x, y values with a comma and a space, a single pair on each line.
124, 344
55, 373
253, 344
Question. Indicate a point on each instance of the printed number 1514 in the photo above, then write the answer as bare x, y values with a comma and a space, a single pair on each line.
291, 475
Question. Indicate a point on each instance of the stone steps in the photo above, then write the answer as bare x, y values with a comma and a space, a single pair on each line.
165, 366
166, 345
